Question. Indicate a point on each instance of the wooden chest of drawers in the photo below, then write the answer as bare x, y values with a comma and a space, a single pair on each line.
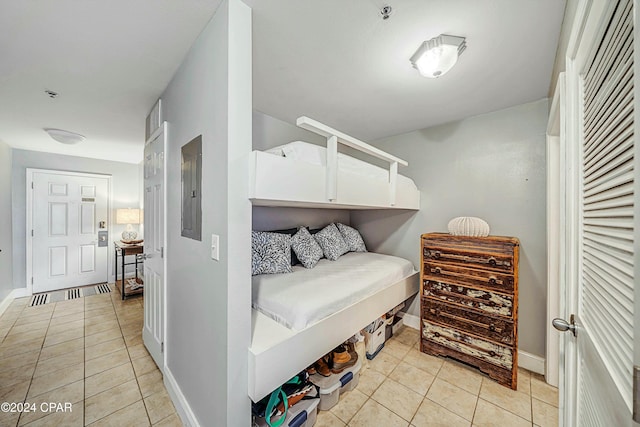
469, 302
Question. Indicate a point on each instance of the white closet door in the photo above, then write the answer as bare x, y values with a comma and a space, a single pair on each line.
602, 380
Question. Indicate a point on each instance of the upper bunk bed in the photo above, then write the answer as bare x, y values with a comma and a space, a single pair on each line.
317, 177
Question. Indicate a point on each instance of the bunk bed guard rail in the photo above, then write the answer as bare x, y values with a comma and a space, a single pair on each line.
333, 138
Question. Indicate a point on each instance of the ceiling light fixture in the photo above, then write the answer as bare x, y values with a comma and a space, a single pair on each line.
64, 136
437, 56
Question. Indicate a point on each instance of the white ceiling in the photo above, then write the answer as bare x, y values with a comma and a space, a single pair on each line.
334, 60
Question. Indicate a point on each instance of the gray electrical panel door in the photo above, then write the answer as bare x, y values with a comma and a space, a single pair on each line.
192, 189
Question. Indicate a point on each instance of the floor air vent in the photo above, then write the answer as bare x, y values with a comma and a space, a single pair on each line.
73, 294
103, 288
39, 299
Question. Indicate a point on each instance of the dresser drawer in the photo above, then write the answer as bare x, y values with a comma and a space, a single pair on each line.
502, 282
488, 301
495, 328
471, 345
469, 257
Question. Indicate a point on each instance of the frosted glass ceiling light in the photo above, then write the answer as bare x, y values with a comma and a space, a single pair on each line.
64, 136
437, 56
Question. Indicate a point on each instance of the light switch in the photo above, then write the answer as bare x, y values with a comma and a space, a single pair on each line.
215, 247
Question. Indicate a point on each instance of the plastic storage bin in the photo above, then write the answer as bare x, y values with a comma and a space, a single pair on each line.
302, 414
375, 341
332, 386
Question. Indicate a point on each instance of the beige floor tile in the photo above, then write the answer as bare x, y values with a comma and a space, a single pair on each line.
349, 404
132, 415
68, 335
110, 401
67, 319
102, 318
524, 381
430, 414
47, 366
62, 348
101, 337
108, 379
453, 398
137, 351
151, 383
13, 362
174, 421
159, 406
131, 330
465, 377
9, 349
15, 392
398, 399
6, 323
489, 415
37, 310
74, 418
369, 381
60, 328
413, 378
327, 419
108, 361
27, 327
98, 311
55, 380
544, 392
134, 340
396, 349
23, 338
9, 418
514, 401
71, 393
407, 336
374, 414
3, 333
67, 310
104, 348
384, 363
35, 321
100, 327
144, 365
14, 376
544, 415
426, 362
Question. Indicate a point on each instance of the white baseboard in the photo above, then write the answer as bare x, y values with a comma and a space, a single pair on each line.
531, 362
16, 293
410, 320
528, 361
179, 401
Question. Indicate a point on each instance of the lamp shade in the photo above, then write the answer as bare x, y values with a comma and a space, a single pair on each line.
127, 216
435, 57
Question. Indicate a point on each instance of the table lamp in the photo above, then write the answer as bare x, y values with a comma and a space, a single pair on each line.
128, 216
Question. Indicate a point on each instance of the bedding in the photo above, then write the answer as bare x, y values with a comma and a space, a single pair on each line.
352, 238
317, 155
332, 243
270, 253
306, 248
306, 296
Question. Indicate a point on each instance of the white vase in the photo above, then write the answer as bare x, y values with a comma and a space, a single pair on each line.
468, 226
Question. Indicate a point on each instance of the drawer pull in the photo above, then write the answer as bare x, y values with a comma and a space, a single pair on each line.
436, 334
492, 328
492, 261
436, 255
492, 280
492, 353
436, 270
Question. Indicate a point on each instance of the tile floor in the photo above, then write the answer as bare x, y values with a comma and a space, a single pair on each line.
87, 352
404, 387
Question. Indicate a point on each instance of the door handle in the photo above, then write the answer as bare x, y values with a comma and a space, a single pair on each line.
142, 257
563, 326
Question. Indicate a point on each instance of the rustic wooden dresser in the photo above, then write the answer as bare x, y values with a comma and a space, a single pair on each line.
469, 302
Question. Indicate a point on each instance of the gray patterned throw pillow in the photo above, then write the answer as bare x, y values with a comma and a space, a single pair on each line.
270, 253
331, 241
352, 237
306, 248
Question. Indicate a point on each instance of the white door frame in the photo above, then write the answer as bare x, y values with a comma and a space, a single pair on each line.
29, 248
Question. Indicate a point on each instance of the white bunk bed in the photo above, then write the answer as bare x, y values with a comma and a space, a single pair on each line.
328, 185
277, 352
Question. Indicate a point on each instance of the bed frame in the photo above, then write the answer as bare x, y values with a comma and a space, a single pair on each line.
326, 186
277, 353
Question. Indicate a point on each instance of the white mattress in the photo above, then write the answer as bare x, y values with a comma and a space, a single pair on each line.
306, 296
317, 155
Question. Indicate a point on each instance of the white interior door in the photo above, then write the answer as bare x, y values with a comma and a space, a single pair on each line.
67, 212
597, 381
154, 244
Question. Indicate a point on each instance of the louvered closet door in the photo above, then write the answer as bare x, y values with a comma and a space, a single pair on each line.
606, 254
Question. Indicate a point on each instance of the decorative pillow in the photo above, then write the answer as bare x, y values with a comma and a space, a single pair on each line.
270, 253
352, 237
331, 241
290, 232
306, 248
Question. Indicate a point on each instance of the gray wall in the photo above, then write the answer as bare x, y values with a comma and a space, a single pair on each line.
125, 186
269, 132
209, 302
490, 166
6, 256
